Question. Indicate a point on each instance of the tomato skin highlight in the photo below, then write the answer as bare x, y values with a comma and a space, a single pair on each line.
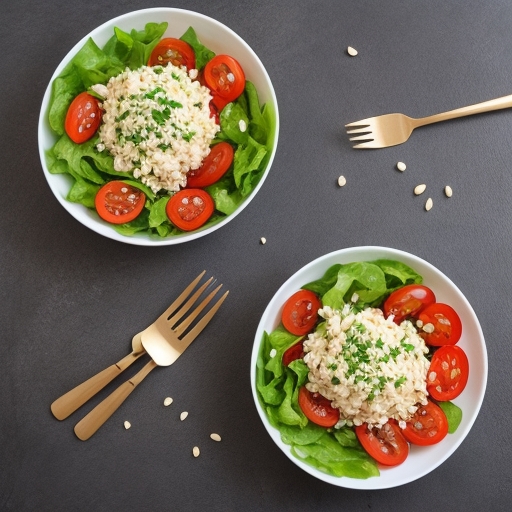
83, 118
117, 202
214, 166
428, 426
300, 312
293, 353
224, 76
446, 322
408, 301
317, 408
174, 51
448, 373
190, 208
386, 445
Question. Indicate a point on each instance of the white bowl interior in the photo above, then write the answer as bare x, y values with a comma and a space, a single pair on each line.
213, 35
421, 460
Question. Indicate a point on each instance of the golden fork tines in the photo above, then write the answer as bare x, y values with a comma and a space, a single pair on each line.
78, 396
392, 129
165, 340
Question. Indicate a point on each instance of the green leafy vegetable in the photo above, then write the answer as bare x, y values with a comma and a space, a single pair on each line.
453, 415
203, 54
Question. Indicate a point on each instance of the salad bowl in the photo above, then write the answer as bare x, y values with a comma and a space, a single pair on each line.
422, 459
216, 37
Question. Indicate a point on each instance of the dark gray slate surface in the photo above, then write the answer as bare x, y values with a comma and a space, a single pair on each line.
71, 300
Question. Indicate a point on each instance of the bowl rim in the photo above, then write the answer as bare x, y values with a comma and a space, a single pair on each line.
348, 255
87, 218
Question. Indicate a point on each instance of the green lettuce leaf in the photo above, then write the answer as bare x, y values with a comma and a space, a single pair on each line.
203, 54
453, 415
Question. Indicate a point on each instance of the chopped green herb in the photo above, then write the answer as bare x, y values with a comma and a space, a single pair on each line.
151, 95
188, 136
124, 115
400, 381
161, 116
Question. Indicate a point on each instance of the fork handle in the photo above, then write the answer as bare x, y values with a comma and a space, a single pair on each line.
486, 106
86, 427
68, 403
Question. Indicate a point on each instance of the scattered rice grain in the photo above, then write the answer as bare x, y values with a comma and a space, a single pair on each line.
401, 166
351, 51
215, 437
448, 191
342, 181
127, 425
419, 189
429, 204
196, 451
183, 415
263, 240
168, 401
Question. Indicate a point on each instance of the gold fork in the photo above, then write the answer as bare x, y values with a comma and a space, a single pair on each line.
164, 340
78, 396
393, 129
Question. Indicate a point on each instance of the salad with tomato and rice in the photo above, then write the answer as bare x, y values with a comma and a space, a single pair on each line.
363, 364
159, 135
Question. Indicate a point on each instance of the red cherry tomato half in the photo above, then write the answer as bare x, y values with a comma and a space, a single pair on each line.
175, 51
83, 118
190, 208
300, 312
428, 425
408, 301
117, 203
224, 76
445, 322
317, 408
214, 166
386, 445
296, 351
448, 373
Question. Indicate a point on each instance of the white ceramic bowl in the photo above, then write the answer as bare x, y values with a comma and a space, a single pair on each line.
214, 35
421, 460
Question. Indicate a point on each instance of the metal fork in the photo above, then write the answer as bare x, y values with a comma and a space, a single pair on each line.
164, 340
78, 396
393, 129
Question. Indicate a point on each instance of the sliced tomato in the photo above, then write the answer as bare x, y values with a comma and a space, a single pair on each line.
83, 118
445, 322
317, 408
293, 353
117, 202
214, 112
214, 166
387, 445
174, 51
225, 78
190, 208
408, 301
300, 312
448, 373
429, 425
